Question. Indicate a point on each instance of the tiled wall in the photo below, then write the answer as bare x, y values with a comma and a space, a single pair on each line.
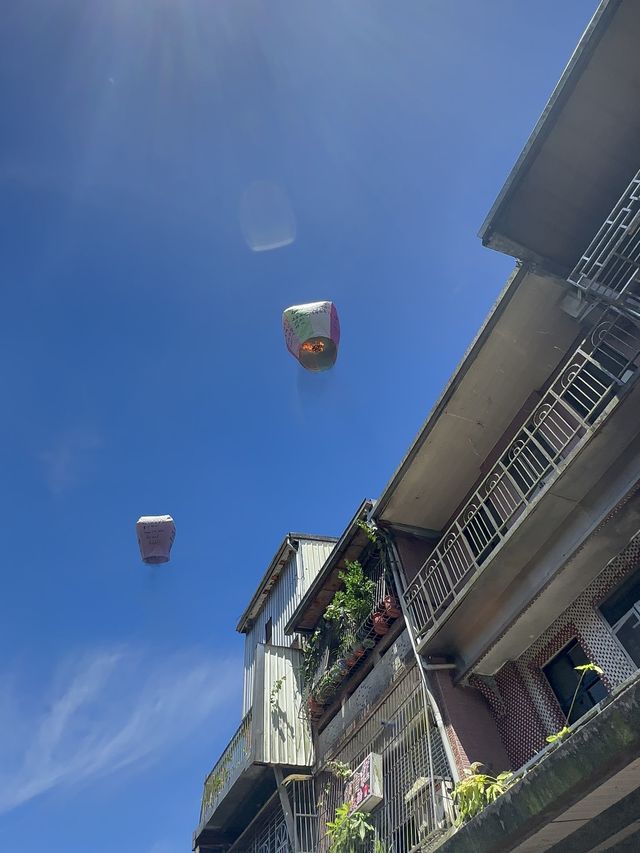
522, 703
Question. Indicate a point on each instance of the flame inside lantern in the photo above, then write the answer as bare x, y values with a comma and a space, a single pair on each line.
312, 334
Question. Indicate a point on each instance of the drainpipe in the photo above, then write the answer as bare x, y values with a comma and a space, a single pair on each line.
430, 701
286, 808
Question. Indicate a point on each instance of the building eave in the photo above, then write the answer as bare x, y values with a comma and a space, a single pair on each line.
287, 547
330, 569
563, 90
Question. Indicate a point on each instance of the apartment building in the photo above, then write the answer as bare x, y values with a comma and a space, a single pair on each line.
445, 625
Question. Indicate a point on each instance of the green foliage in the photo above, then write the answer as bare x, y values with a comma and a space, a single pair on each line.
378, 847
583, 669
311, 656
561, 735
347, 831
214, 784
339, 769
351, 606
369, 530
277, 687
478, 790
589, 667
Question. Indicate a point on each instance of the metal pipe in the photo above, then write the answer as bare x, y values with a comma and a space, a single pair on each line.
430, 701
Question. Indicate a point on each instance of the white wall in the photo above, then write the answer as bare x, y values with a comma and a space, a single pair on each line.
295, 579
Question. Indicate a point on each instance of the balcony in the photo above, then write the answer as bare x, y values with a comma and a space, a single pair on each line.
236, 758
609, 269
579, 795
500, 511
273, 734
343, 657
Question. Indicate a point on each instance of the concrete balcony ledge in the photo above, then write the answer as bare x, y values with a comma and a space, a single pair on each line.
582, 795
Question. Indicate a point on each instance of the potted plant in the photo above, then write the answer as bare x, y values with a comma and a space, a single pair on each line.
314, 707
380, 623
391, 606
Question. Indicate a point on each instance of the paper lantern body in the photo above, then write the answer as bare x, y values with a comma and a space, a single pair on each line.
155, 537
312, 334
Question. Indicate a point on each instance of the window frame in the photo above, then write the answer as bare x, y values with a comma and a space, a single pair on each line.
612, 630
573, 641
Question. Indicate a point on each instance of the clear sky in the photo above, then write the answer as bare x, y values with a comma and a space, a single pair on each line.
143, 369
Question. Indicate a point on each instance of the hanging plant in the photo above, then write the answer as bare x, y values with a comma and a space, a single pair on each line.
351, 606
311, 655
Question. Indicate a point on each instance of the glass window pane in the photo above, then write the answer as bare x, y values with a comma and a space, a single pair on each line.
629, 635
622, 600
564, 680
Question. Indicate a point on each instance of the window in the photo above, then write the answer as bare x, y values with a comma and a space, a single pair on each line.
622, 611
268, 630
563, 678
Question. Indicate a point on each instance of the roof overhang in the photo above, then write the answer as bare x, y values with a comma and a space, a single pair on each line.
521, 343
582, 152
288, 546
349, 547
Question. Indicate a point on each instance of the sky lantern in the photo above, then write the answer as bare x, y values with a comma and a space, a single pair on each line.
312, 334
155, 537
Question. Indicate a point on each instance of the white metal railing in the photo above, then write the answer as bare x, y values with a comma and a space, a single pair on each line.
609, 269
555, 431
232, 762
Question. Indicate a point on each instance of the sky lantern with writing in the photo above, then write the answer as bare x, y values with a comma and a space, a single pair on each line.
155, 537
312, 334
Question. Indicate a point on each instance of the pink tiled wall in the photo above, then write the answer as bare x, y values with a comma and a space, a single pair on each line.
522, 703
469, 725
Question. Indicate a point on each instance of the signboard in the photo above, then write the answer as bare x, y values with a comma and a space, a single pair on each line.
364, 788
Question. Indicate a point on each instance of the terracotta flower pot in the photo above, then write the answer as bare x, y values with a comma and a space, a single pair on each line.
391, 607
314, 708
380, 624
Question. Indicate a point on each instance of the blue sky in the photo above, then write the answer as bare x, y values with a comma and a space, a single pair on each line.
143, 366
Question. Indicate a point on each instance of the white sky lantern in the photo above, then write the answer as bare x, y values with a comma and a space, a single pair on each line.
155, 537
312, 334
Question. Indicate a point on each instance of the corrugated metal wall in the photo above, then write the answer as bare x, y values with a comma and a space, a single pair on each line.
286, 594
281, 734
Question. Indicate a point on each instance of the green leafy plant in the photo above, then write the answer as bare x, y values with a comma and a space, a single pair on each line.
277, 687
379, 847
583, 669
369, 529
478, 790
348, 830
339, 769
311, 654
351, 606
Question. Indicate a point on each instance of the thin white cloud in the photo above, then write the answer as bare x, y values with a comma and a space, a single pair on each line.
70, 458
104, 712
164, 847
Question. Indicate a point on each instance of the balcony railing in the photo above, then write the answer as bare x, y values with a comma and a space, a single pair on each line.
609, 269
556, 430
235, 758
